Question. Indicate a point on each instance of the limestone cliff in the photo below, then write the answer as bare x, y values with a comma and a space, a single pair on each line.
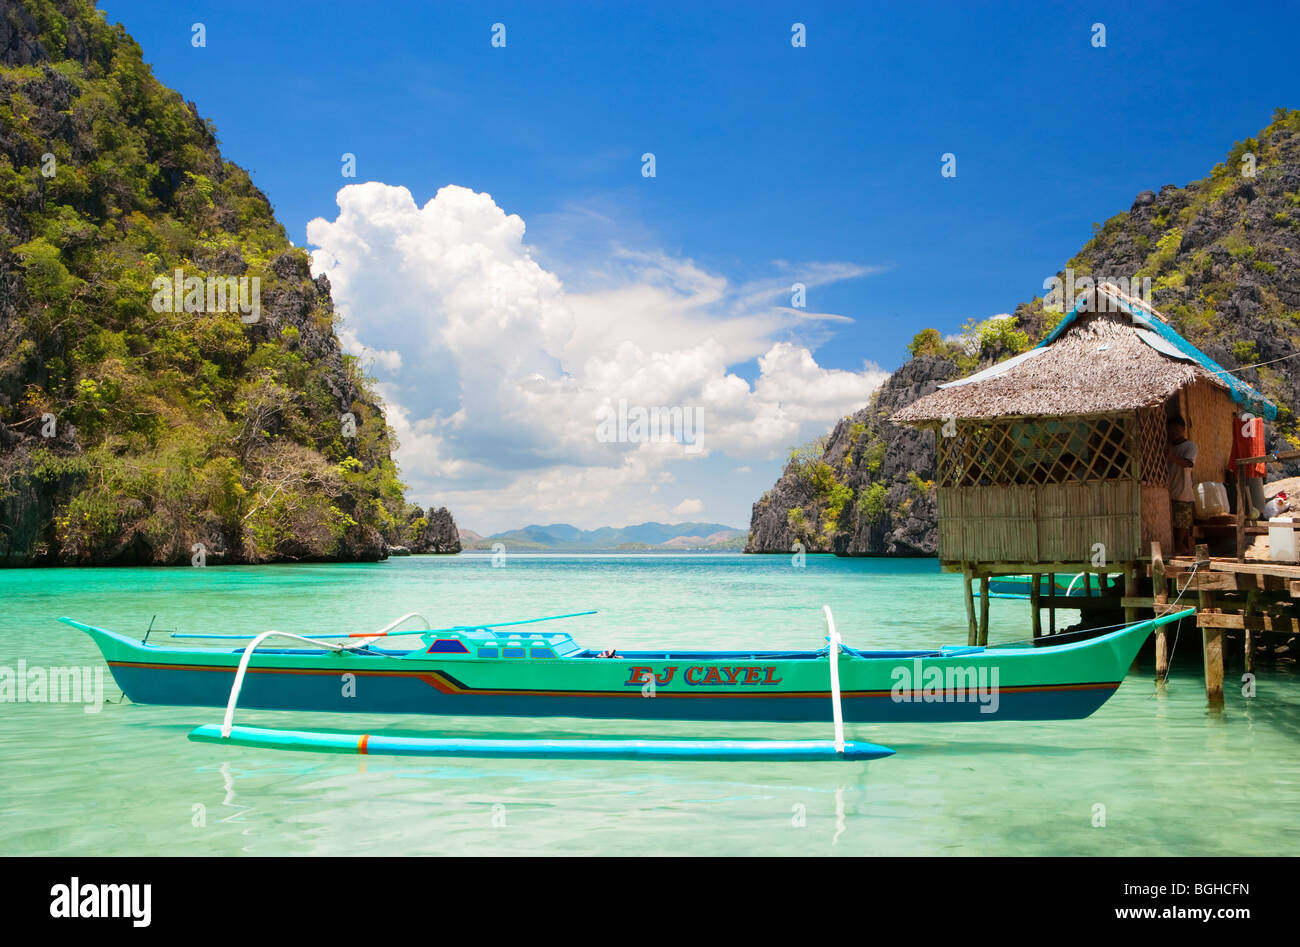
139, 424
1223, 259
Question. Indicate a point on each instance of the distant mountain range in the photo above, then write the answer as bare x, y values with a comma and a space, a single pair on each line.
561, 537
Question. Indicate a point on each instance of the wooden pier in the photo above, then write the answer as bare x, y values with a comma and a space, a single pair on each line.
1242, 607
1250, 601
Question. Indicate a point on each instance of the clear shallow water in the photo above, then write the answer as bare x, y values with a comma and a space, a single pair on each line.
1173, 777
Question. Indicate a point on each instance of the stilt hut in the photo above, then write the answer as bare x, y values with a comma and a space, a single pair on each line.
1055, 460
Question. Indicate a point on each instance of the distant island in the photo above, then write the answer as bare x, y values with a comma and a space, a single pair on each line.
644, 537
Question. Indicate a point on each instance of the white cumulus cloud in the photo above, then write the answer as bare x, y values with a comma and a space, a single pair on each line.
494, 375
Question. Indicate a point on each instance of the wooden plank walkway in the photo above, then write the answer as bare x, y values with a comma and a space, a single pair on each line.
1247, 599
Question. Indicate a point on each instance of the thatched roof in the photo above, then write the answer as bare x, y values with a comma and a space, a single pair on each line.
1095, 362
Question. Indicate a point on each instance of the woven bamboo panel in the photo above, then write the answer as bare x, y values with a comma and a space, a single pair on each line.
1036, 451
1153, 441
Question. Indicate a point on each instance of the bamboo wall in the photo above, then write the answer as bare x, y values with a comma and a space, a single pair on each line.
1208, 410
1157, 517
1111, 490
988, 524
1040, 522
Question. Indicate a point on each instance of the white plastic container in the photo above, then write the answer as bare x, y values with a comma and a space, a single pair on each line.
1211, 499
1281, 540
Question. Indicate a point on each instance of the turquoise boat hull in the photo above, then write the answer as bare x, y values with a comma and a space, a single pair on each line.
550, 676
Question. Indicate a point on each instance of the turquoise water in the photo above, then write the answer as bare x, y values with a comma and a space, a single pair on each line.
1173, 777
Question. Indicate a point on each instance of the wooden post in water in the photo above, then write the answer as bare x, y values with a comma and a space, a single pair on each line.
984, 610
1160, 595
1131, 587
1211, 639
1036, 610
1051, 609
968, 582
1252, 606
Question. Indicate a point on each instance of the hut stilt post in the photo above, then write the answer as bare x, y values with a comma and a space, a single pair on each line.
1051, 608
984, 610
1035, 609
1160, 595
1131, 587
968, 582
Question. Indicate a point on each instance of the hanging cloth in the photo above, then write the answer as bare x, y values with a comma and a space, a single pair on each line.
1247, 441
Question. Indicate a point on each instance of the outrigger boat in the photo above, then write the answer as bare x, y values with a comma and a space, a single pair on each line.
499, 670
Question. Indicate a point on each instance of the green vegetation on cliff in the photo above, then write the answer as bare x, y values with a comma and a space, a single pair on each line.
129, 434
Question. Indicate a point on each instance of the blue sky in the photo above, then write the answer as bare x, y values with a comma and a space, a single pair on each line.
771, 162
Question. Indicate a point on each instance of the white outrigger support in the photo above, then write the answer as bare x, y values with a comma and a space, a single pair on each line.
1070, 587
834, 656
360, 642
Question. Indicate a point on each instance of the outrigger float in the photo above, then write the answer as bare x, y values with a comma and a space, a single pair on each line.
499, 670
